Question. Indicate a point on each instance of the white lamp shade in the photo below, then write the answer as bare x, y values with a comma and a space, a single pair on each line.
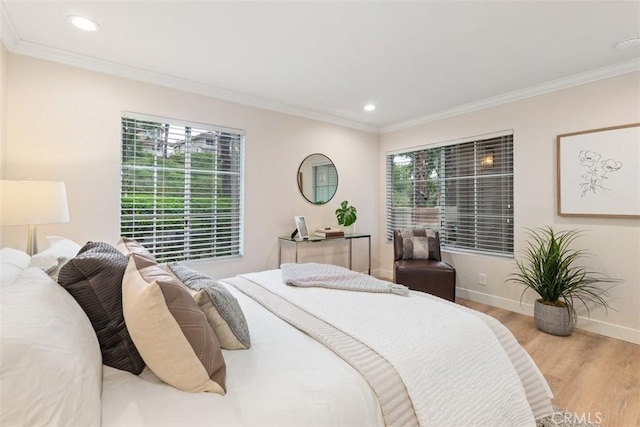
33, 202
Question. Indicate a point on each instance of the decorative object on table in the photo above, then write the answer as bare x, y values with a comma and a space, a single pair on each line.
301, 226
346, 215
32, 203
548, 268
329, 232
595, 171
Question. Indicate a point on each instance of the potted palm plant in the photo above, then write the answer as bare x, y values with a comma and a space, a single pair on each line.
347, 216
548, 267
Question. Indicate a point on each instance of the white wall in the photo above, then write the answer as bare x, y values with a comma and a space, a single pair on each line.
64, 124
536, 122
3, 105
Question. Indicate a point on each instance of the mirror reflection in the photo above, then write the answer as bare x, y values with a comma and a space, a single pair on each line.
317, 178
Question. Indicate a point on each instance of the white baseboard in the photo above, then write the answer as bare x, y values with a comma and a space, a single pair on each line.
597, 326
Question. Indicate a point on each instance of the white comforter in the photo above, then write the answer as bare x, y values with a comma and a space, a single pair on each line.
289, 379
459, 366
285, 379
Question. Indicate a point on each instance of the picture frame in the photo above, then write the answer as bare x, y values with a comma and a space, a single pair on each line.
598, 172
301, 225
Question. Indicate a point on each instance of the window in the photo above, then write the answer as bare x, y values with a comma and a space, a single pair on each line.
464, 190
181, 189
325, 181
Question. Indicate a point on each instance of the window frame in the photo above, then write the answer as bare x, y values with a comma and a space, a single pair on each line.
210, 238
442, 216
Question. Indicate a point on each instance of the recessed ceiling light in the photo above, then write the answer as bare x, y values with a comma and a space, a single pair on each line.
83, 23
627, 43
369, 107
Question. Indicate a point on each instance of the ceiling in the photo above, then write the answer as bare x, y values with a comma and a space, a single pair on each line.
416, 61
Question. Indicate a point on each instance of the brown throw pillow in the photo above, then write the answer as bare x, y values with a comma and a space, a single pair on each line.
169, 329
94, 279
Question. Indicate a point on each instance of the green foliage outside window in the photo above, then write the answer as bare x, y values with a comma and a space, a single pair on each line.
179, 198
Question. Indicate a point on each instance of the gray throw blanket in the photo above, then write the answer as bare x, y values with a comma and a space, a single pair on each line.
334, 277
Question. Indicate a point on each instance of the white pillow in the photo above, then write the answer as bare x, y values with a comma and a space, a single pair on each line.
12, 263
50, 364
59, 252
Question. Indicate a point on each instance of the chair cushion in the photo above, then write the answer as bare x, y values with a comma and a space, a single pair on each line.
434, 277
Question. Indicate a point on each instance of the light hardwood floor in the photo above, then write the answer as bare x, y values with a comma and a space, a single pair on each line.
595, 377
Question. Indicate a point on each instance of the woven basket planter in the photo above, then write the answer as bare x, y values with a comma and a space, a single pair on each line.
553, 320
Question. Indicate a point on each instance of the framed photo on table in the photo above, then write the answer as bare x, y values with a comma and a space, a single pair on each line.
599, 172
301, 225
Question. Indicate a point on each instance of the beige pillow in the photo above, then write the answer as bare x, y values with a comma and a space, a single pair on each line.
169, 329
128, 246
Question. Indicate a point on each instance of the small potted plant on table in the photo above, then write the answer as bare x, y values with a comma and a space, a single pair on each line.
347, 216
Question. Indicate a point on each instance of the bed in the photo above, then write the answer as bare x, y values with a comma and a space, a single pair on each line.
318, 357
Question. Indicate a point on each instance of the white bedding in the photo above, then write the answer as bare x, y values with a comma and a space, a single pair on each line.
285, 379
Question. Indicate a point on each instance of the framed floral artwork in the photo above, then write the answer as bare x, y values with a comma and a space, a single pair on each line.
599, 172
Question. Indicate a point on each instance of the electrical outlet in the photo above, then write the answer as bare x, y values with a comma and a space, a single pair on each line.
482, 279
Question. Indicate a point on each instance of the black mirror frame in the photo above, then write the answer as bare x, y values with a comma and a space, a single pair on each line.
300, 182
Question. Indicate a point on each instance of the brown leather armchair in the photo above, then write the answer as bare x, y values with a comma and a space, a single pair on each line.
427, 275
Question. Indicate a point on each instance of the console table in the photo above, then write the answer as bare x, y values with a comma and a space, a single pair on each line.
296, 242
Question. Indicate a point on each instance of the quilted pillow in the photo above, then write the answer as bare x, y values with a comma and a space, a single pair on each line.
221, 308
169, 329
94, 279
419, 244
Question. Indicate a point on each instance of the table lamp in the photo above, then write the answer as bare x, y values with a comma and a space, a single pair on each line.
32, 203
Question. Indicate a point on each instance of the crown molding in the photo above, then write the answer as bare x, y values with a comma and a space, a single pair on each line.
8, 33
20, 47
15, 45
541, 89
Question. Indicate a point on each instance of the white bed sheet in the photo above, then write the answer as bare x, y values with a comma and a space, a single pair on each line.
285, 379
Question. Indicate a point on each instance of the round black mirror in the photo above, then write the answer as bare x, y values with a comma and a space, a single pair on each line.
317, 179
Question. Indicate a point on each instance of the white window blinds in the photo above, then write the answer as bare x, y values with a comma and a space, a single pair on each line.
464, 190
325, 181
181, 188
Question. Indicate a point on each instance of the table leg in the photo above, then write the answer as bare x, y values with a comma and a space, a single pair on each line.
369, 255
